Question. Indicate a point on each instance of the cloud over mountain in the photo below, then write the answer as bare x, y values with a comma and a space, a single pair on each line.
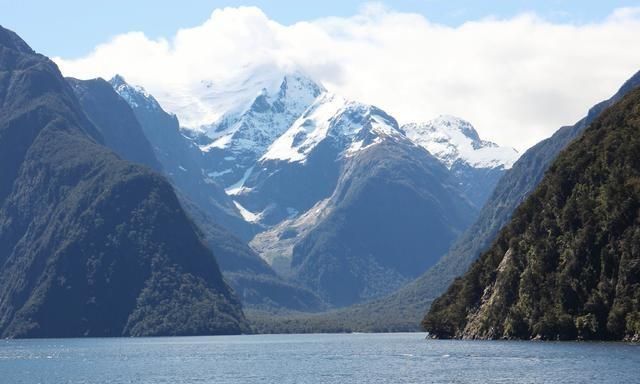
514, 79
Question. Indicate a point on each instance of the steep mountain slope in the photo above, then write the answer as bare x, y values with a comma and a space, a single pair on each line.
568, 264
114, 120
90, 245
390, 217
181, 159
252, 278
476, 163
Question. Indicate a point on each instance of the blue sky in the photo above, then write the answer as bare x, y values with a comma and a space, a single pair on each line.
71, 28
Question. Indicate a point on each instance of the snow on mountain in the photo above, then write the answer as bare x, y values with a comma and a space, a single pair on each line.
135, 95
454, 140
246, 150
238, 140
202, 102
303, 165
181, 159
352, 125
248, 216
270, 113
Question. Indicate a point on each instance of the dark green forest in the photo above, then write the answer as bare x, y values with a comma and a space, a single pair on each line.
568, 264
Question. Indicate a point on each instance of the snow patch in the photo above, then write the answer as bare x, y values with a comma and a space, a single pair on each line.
239, 188
246, 214
221, 143
135, 95
218, 174
452, 139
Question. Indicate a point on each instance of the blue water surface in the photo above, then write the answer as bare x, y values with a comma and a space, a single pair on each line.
319, 358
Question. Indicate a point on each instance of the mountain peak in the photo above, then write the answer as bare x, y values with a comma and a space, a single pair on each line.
296, 91
454, 140
11, 40
269, 114
117, 81
455, 123
296, 82
135, 95
242, 135
352, 125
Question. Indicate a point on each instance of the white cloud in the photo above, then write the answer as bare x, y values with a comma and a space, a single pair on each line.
517, 80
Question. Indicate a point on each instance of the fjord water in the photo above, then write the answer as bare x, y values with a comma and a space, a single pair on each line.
318, 358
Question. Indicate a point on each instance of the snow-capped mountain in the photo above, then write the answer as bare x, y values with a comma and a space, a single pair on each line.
352, 126
209, 206
295, 93
136, 96
454, 140
302, 166
201, 102
476, 163
239, 139
352, 207
392, 212
344, 200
